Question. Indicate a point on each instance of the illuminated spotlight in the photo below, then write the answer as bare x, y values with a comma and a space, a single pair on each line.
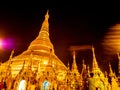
7, 43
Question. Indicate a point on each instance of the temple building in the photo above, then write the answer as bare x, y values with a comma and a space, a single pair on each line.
38, 68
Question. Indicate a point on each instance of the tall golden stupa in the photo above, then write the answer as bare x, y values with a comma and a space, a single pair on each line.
39, 57
41, 51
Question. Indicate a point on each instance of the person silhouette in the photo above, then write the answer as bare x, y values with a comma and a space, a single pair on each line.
91, 82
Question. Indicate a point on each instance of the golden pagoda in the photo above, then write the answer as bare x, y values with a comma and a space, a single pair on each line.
38, 61
41, 49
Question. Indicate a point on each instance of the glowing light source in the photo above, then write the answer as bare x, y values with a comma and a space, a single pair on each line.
45, 62
6, 43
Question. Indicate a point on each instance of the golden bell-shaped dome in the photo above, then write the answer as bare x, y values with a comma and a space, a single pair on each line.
40, 50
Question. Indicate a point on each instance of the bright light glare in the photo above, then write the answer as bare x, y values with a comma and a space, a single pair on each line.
6, 43
45, 62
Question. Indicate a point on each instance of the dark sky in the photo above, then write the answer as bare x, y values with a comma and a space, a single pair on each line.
71, 23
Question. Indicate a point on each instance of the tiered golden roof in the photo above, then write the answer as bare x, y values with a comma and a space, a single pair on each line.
41, 49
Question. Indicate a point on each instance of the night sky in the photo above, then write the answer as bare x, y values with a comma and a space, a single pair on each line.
69, 24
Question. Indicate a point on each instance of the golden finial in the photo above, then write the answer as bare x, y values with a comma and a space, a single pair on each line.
92, 48
47, 15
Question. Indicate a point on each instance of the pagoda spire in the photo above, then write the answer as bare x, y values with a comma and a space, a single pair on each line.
74, 68
88, 70
111, 74
11, 55
83, 66
95, 64
42, 41
8, 70
74, 65
45, 25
